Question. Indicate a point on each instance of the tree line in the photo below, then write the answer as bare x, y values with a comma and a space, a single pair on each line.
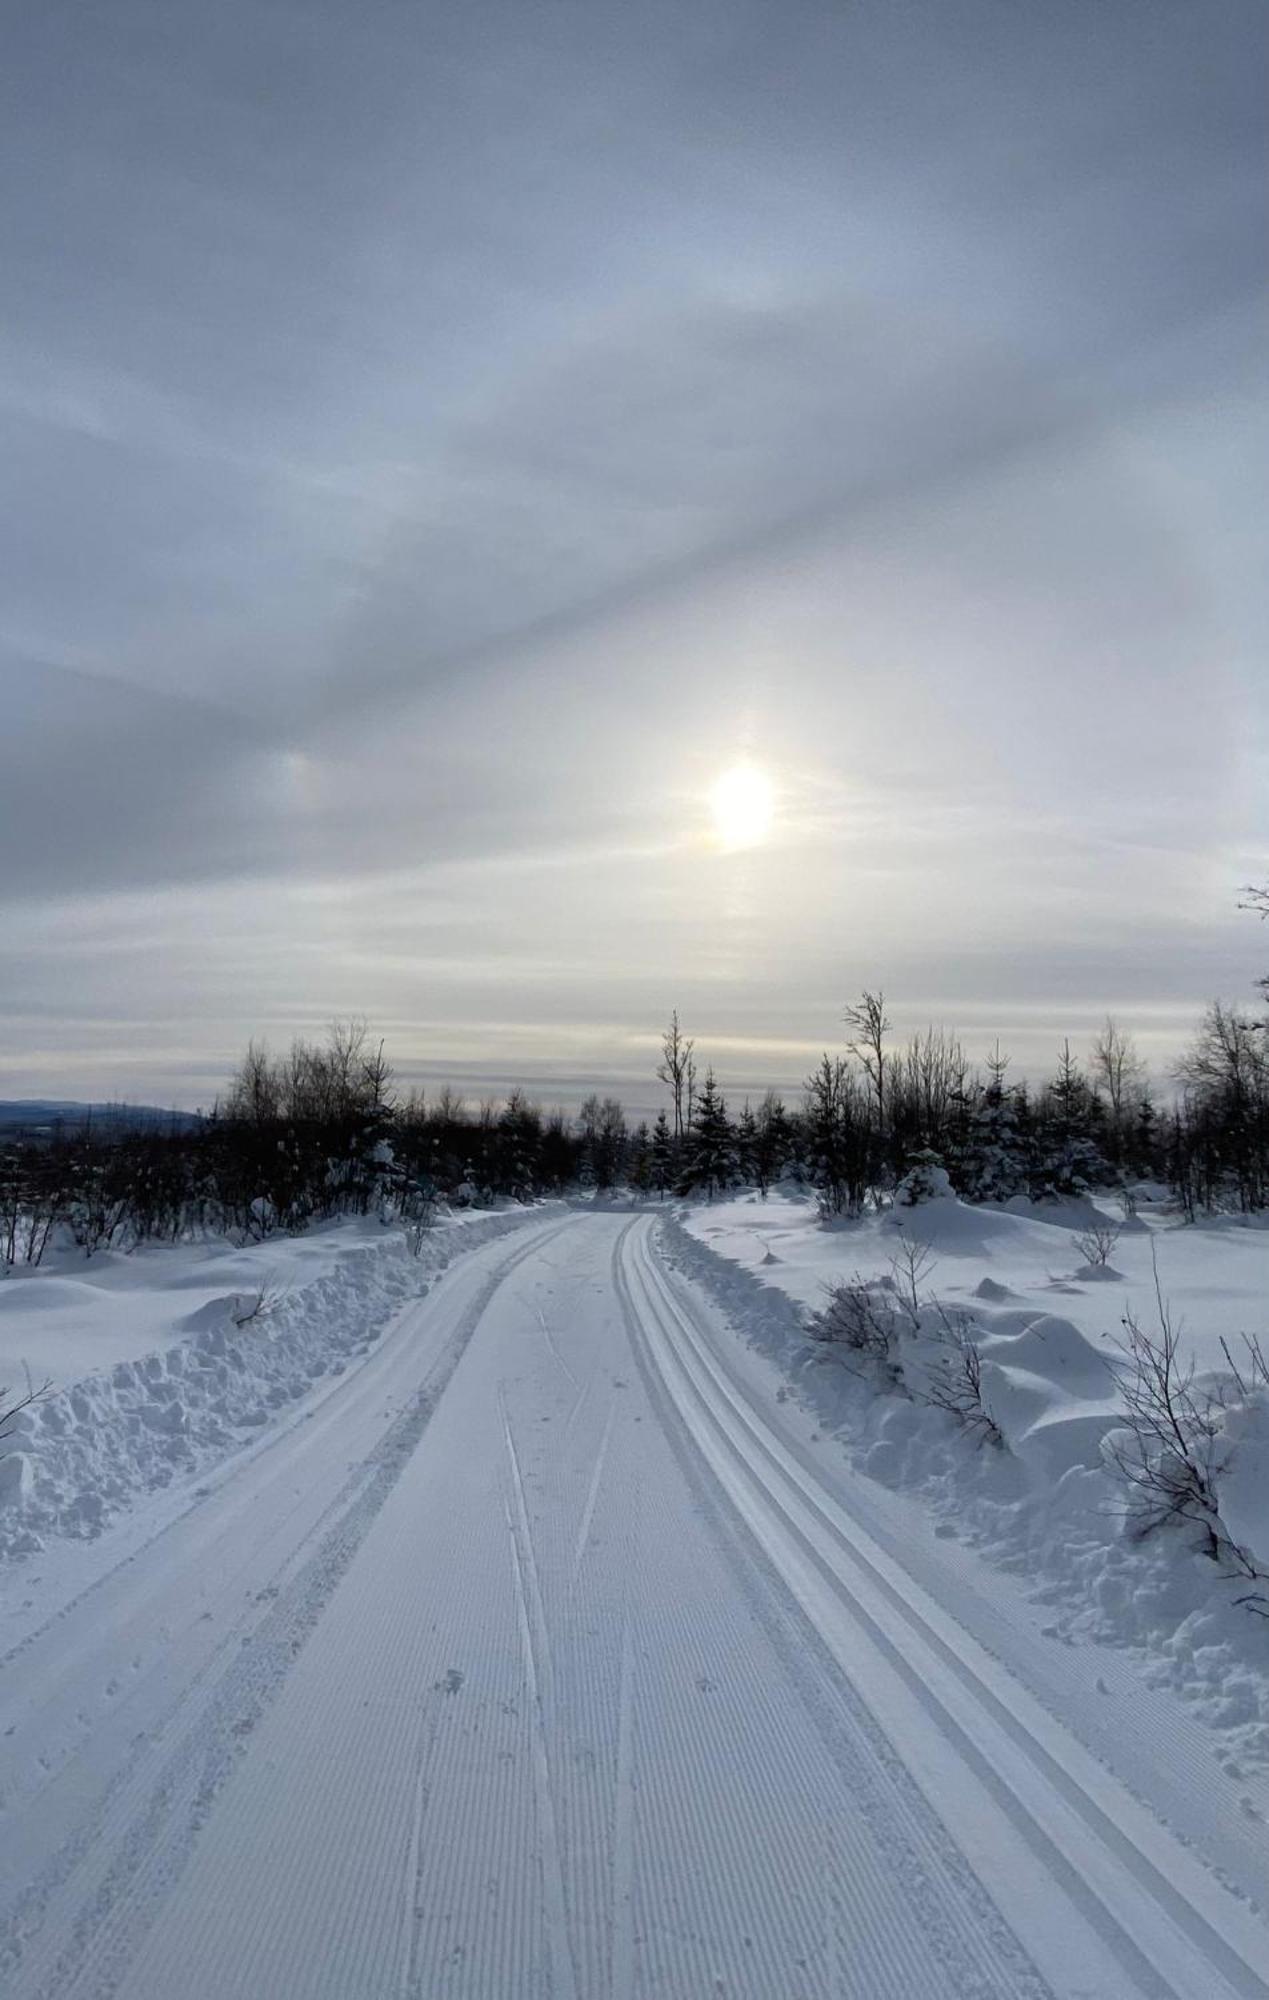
324, 1130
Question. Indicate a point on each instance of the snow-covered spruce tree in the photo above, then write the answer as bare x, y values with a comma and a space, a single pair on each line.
639, 1159
838, 1138
777, 1141
925, 1180
1066, 1158
747, 1162
518, 1149
662, 1175
995, 1162
711, 1159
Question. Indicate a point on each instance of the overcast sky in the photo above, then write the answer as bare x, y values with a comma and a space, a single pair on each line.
436, 441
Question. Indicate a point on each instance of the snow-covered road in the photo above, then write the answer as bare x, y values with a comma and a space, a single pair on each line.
535, 1660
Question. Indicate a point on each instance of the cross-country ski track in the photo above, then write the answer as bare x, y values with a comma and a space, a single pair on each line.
536, 1657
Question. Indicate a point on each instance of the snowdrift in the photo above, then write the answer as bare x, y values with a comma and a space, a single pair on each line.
75, 1458
1047, 1507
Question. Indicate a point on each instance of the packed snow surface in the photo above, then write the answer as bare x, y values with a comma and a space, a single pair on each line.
552, 1648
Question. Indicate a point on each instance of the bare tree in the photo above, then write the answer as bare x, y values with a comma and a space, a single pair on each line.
677, 1069
1257, 899
909, 1268
869, 1028
1096, 1244
450, 1109
1117, 1068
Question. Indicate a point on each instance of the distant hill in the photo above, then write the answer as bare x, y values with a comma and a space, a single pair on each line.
42, 1114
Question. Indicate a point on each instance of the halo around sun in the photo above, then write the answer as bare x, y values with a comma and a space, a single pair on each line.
742, 802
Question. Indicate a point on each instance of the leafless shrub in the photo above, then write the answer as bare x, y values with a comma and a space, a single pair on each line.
1170, 1452
1096, 1243
909, 1267
9, 1408
419, 1221
854, 1318
955, 1381
1252, 1372
256, 1305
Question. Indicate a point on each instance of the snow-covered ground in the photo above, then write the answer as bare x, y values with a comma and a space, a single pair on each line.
73, 1314
1214, 1273
163, 1361
1046, 1509
546, 1652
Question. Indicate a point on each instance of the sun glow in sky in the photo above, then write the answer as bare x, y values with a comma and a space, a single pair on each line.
742, 802
679, 574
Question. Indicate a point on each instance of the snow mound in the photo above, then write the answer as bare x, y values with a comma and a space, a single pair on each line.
75, 1458
220, 1311
928, 1180
1050, 1392
1048, 1509
1243, 1482
25, 1295
991, 1290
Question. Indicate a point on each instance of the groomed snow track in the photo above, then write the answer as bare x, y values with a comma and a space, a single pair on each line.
537, 1662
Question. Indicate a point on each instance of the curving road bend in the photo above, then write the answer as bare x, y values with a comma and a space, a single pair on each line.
533, 1661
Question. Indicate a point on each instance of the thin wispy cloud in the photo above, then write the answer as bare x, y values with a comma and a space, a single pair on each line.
432, 448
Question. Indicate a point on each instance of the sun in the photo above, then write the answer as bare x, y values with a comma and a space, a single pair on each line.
742, 802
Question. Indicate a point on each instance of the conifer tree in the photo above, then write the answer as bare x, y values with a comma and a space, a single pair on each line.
662, 1156
712, 1160
995, 1157
747, 1147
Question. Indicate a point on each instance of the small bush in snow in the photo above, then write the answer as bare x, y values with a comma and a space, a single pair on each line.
855, 1318
1172, 1450
254, 1305
1095, 1245
909, 1268
10, 1405
954, 1377
927, 1179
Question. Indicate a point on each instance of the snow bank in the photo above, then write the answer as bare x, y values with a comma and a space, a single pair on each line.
1242, 1484
1047, 1509
73, 1460
1051, 1393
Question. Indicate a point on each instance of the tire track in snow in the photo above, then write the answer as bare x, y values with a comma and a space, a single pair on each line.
151, 1849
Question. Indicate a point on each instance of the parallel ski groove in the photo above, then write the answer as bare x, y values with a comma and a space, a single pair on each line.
785, 1487
152, 1846
560, 1942
596, 1709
